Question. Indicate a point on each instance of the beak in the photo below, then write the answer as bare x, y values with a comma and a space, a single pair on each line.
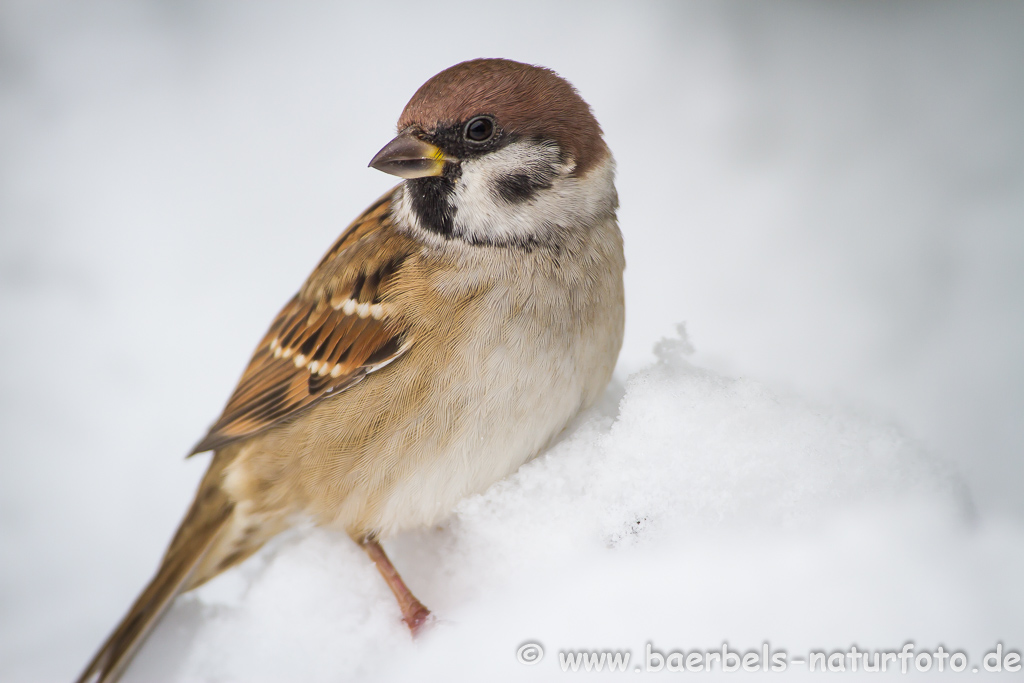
409, 157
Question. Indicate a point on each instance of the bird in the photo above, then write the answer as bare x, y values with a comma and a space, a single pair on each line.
449, 334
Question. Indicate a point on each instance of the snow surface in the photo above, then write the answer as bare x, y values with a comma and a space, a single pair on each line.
704, 509
831, 196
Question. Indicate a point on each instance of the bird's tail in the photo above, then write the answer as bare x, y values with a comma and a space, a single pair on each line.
212, 537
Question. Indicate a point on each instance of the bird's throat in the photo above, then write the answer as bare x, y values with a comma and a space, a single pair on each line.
431, 200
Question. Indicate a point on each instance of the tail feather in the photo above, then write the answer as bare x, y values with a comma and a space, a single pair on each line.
200, 535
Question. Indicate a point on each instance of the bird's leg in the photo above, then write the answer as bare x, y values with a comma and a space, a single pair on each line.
414, 614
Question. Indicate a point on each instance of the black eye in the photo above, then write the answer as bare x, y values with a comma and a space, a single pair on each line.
480, 129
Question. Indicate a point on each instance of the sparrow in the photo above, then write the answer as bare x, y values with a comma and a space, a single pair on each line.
449, 334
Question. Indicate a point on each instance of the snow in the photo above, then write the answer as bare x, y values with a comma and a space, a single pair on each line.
701, 509
829, 195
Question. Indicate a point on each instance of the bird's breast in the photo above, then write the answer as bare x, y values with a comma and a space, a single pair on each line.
500, 364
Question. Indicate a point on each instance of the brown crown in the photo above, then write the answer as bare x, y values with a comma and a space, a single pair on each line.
527, 100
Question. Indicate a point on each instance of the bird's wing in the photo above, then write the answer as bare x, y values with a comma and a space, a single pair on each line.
334, 332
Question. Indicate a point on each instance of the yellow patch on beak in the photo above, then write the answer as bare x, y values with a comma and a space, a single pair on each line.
409, 157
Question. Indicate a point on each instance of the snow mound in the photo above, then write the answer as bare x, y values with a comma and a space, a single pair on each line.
701, 509
693, 449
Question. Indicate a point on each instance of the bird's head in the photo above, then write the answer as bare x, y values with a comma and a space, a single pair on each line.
495, 152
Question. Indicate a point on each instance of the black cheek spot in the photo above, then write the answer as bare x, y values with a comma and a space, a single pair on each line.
517, 188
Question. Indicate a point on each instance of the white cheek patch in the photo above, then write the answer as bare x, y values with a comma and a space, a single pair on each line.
484, 215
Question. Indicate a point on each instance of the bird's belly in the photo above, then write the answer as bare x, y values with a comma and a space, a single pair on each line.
402, 448
501, 414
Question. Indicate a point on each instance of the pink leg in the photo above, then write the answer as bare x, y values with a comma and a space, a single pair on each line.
414, 614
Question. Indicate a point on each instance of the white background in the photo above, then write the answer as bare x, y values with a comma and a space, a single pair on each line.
831, 196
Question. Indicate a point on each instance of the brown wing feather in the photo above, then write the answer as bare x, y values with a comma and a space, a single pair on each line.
335, 331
